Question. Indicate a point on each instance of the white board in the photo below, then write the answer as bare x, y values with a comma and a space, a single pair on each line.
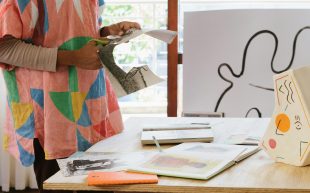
212, 38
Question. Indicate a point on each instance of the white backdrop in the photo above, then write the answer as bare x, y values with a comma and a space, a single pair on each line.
12, 173
212, 38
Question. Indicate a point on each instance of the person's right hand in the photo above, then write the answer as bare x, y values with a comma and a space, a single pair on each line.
88, 57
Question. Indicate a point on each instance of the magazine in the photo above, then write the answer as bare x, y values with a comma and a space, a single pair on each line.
139, 77
81, 163
189, 164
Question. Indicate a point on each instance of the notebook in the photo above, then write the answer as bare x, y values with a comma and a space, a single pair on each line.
122, 177
177, 133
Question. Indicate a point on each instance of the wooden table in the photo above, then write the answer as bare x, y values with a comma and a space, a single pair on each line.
257, 173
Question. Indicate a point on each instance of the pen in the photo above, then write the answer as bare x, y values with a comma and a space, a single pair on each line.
157, 144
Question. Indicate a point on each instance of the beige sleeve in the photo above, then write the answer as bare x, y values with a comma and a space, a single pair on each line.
18, 53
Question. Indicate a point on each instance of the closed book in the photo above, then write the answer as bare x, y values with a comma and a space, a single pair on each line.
122, 177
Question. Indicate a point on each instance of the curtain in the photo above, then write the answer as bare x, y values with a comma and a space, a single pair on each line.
12, 173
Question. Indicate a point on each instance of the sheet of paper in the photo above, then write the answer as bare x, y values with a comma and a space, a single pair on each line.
125, 83
160, 34
82, 163
231, 55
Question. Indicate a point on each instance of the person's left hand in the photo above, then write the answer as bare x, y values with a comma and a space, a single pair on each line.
119, 28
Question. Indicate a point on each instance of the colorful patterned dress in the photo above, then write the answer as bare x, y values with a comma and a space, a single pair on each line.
68, 110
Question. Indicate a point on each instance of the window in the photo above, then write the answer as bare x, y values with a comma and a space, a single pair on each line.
143, 50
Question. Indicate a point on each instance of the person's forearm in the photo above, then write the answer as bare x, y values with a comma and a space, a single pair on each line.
18, 53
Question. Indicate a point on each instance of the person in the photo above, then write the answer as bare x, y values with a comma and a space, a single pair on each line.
59, 99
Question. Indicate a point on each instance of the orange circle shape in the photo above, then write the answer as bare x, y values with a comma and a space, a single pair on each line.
283, 122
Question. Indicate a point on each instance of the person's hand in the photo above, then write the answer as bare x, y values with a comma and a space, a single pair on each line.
119, 28
88, 57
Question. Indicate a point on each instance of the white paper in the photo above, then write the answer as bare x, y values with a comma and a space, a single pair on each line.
81, 163
160, 34
212, 38
139, 77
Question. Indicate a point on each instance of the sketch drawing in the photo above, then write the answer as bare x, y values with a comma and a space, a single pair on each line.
138, 77
126, 83
230, 61
287, 137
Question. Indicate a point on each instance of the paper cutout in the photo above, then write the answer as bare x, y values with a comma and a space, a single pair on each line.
138, 77
287, 137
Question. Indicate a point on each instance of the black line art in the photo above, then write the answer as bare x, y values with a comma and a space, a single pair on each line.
254, 109
261, 87
280, 89
288, 92
289, 85
298, 124
301, 142
238, 75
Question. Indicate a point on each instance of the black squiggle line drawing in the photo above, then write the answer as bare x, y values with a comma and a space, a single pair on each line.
244, 61
286, 107
288, 92
280, 89
289, 85
261, 87
301, 142
255, 109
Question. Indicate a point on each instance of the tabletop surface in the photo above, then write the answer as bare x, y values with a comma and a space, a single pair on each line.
257, 173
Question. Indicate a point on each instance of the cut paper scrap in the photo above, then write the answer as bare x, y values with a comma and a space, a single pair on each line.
125, 83
288, 134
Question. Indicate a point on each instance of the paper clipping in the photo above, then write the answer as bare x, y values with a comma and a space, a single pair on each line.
81, 163
125, 83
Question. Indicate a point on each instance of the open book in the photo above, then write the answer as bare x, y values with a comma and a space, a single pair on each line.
137, 78
197, 160
177, 133
215, 147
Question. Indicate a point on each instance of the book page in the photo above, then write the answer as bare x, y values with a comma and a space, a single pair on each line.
187, 164
217, 149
